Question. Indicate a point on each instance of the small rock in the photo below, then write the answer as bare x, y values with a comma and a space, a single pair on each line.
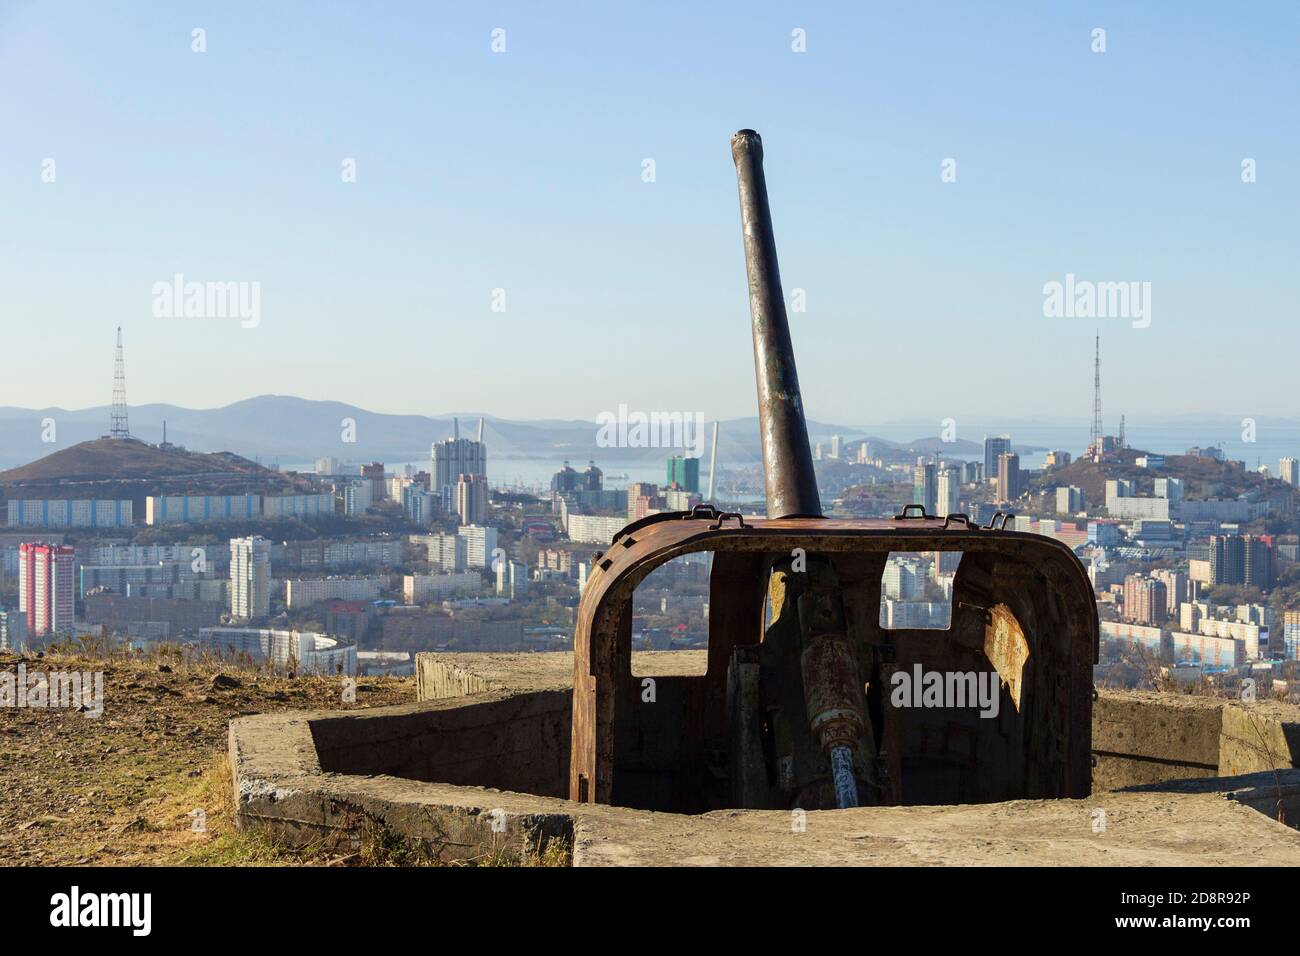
224, 682
164, 669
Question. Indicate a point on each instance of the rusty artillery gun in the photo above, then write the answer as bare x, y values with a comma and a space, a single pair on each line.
796, 709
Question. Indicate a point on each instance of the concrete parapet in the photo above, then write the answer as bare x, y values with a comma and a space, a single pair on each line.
478, 768
1141, 737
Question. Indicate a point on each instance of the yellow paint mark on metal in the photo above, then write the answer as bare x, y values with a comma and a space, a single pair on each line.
1006, 648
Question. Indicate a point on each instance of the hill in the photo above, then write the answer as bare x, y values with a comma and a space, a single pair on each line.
1201, 477
127, 459
107, 467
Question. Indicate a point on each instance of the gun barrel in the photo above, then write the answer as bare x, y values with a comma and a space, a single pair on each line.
788, 474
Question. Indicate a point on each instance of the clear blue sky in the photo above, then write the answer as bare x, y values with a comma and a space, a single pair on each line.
522, 170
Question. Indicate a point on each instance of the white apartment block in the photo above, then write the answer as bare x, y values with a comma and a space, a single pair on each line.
304, 592
358, 497
297, 506
422, 588
250, 578
71, 513
594, 529
193, 509
480, 542
446, 552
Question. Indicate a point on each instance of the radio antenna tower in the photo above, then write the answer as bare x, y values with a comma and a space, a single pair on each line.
1096, 399
117, 421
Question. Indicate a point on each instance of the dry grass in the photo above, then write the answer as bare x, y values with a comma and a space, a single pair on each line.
126, 788
120, 788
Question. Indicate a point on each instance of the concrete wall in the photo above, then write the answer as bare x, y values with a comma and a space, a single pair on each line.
1143, 738
516, 742
1138, 737
422, 773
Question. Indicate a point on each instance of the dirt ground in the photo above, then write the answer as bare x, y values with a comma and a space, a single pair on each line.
123, 788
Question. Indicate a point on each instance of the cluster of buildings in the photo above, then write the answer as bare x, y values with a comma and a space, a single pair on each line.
976, 488
590, 513
1151, 552
1163, 611
916, 589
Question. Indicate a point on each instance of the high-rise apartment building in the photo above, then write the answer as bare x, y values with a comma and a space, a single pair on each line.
1070, 500
358, 496
512, 580
1176, 587
642, 497
948, 490
454, 457
45, 587
250, 578
374, 473
1241, 559
1258, 570
471, 498
1288, 469
480, 542
1291, 634
994, 447
901, 580
1146, 600
685, 472
1008, 472
925, 487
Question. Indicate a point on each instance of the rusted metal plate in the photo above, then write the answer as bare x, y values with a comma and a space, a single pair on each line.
1006, 648
1015, 560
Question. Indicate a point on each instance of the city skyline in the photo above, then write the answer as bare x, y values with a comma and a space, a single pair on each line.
1093, 170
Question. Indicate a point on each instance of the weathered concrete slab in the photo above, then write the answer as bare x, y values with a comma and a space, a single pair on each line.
451, 772
1262, 735
1140, 830
442, 676
1276, 794
1141, 737
281, 786
1172, 727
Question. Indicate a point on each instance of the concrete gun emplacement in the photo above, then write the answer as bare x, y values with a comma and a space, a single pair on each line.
796, 708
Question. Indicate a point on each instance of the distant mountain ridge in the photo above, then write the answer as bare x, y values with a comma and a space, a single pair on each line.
291, 430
